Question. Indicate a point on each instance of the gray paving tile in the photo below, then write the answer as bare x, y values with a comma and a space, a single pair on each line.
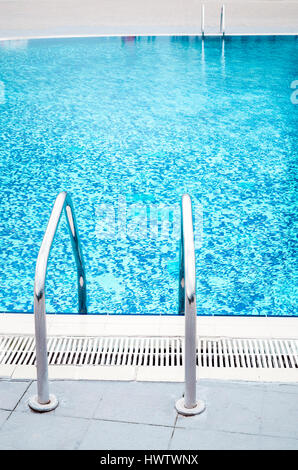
3, 416
140, 402
34, 431
114, 435
10, 393
238, 384
232, 409
76, 398
282, 387
280, 417
199, 439
140, 415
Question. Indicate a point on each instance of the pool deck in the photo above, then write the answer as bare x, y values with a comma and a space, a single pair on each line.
46, 18
133, 415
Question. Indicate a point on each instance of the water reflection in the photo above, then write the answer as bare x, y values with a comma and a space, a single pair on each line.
222, 59
128, 39
203, 61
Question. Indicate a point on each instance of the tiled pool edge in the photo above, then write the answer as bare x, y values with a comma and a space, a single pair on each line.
146, 374
138, 326
110, 35
155, 325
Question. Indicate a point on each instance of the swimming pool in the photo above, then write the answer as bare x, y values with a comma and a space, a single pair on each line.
126, 126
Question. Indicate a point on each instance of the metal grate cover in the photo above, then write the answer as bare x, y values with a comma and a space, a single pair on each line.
154, 351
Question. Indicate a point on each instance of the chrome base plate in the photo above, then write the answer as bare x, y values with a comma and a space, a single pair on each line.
180, 407
36, 406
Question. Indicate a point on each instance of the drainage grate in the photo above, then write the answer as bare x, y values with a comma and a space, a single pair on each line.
155, 351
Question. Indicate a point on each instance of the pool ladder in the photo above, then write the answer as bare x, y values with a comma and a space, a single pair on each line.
44, 401
222, 22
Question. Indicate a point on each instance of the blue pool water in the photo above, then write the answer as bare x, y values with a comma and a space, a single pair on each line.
127, 125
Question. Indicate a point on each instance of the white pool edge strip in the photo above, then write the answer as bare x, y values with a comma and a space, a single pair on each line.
152, 325
148, 374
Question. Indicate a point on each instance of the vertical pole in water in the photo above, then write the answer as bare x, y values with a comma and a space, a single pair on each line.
222, 20
188, 405
203, 20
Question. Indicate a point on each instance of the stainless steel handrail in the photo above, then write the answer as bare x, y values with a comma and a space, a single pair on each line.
188, 405
43, 401
203, 20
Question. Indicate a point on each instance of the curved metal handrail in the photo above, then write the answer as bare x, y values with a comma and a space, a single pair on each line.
187, 270
187, 306
43, 401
